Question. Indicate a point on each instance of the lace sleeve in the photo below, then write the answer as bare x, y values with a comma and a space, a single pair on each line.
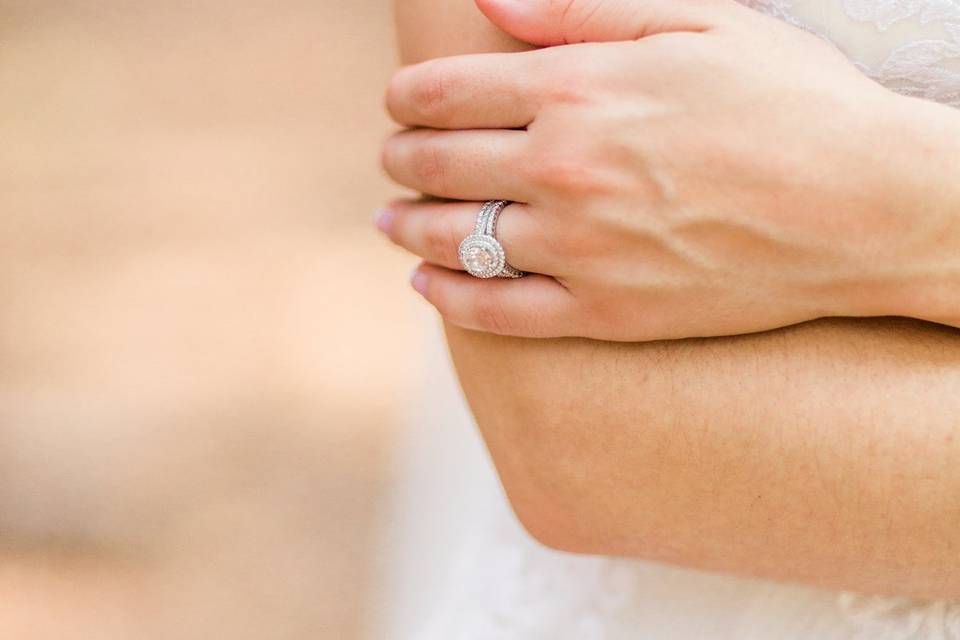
910, 46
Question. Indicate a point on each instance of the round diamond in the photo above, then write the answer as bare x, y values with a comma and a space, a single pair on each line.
482, 256
479, 258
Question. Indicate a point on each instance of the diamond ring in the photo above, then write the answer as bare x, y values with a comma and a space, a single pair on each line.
481, 254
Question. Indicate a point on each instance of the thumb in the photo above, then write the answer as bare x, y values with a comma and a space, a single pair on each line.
556, 22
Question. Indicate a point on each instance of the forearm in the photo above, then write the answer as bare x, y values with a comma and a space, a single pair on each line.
826, 453
823, 453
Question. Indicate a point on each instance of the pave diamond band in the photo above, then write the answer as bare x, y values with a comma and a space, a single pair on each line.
481, 254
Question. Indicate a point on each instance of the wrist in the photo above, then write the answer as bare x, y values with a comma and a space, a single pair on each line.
913, 269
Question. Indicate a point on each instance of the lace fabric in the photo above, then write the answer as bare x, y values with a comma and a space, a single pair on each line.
910, 46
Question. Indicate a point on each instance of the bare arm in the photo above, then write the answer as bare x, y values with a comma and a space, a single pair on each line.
827, 453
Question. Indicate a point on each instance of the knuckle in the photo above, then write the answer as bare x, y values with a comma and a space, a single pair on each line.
569, 177
441, 241
429, 166
574, 87
490, 314
431, 92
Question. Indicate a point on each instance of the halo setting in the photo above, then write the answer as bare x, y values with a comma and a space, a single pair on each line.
482, 256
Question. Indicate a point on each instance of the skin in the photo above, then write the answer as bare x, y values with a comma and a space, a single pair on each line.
666, 197
827, 453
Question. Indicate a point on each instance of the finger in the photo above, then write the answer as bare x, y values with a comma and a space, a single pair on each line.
555, 22
487, 91
434, 230
532, 307
460, 165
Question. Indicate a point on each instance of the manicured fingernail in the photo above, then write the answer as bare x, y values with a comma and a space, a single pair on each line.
383, 219
419, 281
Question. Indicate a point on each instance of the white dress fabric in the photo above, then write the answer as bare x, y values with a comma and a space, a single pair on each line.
461, 567
911, 46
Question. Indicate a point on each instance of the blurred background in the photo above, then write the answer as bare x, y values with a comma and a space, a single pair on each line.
207, 356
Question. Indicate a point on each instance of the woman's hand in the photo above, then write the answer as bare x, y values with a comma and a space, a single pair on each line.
718, 172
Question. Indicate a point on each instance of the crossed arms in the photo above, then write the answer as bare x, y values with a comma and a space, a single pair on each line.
826, 453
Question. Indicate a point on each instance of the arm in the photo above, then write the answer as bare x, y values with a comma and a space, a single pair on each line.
827, 453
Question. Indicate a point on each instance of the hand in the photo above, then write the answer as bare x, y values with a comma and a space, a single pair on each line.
719, 172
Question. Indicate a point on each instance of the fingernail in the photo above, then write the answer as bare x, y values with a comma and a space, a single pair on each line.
383, 219
419, 281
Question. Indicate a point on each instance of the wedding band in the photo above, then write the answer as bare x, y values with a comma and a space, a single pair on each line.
488, 218
481, 254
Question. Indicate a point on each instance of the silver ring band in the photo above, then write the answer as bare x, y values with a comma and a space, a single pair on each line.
481, 254
487, 225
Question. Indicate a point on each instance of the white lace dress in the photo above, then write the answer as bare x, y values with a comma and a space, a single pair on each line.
461, 568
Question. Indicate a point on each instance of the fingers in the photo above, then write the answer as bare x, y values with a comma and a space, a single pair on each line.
460, 165
488, 91
531, 307
434, 231
556, 22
